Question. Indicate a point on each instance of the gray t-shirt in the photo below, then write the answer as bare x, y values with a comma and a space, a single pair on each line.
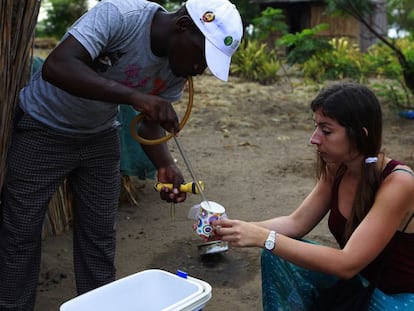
116, 33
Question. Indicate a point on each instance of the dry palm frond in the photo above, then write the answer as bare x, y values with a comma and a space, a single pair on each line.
129, 190
59, 217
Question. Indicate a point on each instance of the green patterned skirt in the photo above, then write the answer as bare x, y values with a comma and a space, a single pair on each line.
287, 287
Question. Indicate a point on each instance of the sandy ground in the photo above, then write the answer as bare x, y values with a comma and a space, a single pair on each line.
250, 145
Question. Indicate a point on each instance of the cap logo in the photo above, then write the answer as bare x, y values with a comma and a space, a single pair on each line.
228, 40
208, 17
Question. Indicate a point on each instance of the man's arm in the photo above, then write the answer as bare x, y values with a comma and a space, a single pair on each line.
69, 67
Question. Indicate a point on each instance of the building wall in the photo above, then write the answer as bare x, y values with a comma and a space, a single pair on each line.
339, 26
308, 14
378, 22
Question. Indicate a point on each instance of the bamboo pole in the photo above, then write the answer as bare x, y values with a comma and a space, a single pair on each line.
18, 20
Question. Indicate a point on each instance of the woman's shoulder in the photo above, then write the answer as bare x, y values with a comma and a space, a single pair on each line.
392, 166
398, 182
396, 192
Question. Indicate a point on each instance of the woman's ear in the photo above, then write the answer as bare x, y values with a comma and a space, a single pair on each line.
365, 131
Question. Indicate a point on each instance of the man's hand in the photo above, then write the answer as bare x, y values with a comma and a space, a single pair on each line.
172, 175
156, 109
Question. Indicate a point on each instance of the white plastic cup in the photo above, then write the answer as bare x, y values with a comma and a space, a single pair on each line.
209, 211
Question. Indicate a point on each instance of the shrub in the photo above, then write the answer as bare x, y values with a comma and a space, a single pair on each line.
270, 22
254, 61
343, 60
303, 45
382, 62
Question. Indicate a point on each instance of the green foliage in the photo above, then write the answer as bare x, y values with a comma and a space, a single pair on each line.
361, 10
409, 56
60, 15
303, 45
254, 61
401, 15
382, 62
170, 5
395, 94
343, 60
270, 22
346, 61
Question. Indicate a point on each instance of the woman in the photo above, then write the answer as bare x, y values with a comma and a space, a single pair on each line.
370, 200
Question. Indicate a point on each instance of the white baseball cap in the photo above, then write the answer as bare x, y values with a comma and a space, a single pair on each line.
221, 24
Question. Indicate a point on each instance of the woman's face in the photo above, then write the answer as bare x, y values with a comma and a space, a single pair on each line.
331, 140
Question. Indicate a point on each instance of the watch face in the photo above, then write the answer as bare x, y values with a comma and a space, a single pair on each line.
269, 245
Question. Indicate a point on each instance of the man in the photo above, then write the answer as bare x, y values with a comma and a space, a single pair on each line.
122, 51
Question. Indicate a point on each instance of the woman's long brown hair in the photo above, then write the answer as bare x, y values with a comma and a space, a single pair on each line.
356, 108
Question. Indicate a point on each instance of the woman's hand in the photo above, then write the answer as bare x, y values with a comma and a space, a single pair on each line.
240, 233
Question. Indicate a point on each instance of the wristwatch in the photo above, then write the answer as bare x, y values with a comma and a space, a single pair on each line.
270, 242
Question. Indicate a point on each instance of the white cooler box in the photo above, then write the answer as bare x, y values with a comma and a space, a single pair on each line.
149, 290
